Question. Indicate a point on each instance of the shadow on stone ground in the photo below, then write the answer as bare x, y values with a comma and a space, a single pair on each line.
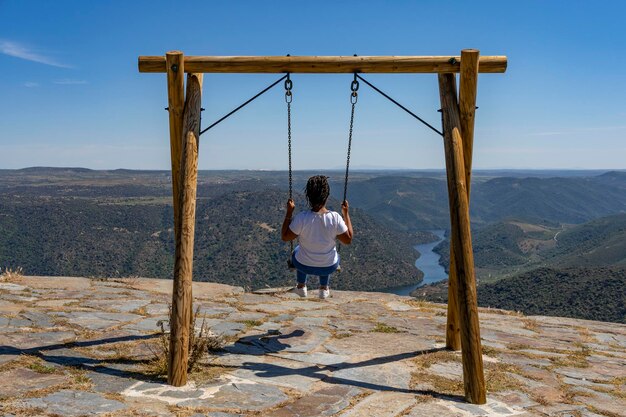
103, 366
75, 347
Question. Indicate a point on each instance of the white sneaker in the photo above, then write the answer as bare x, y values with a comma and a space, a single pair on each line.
302, 292
324, 294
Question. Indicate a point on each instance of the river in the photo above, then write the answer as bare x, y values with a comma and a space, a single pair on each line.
428, 263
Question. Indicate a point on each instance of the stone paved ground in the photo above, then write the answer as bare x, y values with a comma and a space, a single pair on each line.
74, 346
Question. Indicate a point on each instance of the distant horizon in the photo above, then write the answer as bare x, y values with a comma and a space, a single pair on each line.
359, 169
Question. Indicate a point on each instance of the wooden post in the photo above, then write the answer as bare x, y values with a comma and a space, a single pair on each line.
473, 376
183, 264
453, 327
467, 109
175, 101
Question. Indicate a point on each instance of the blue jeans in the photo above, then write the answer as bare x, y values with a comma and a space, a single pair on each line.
321, 271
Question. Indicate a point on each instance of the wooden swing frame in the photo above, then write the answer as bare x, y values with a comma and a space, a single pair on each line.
462, 331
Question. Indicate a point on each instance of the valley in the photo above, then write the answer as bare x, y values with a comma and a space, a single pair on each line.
79, 222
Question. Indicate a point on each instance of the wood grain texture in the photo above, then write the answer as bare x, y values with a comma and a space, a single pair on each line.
468, 85
467, 111
453, 329
182, 301
175, 102
323, 64
473, 375
453, 325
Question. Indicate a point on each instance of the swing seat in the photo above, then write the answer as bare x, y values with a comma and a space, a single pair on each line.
292, 267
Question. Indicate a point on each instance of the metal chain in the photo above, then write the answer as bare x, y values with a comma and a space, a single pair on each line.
353, 99
288, 100
354, 96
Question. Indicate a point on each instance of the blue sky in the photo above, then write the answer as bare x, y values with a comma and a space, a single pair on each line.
72, 94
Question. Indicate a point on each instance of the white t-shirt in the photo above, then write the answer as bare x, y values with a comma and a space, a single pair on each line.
316, 234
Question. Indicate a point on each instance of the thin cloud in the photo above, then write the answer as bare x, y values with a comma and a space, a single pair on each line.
17, 50
31, 84
70, 82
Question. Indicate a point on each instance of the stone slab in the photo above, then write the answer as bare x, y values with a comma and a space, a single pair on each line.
276, 371
20, 381
149, 324
390, 376
98, 320
324, 402
399, 306
450, 370
9, 307
23, 342
206, 290
11, 287
74, 404
382, 404
368, 345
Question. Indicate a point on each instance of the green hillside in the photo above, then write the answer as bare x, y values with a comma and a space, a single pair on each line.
600, 242
550, 200
421, 203
508, 248
586, 293
597, 293
402, 202
237, 241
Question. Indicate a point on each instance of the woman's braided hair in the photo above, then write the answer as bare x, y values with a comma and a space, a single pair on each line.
317, 190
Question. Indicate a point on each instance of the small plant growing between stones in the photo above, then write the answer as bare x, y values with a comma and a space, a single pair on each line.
201, 343
11, 274
530, 324
383, 328
252, 323
41, 368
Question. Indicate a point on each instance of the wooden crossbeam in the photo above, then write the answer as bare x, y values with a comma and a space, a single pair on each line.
323, 64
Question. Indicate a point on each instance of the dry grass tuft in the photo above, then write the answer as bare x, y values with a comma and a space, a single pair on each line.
530, 324
439, 383
490, 310
82, 379
383, 328
422, 304
201, 343
538, 398
251, 323
141, 311
426, 360
574, 359
32, 362
602, 412
130, 281
586, 335
11, 274
498, 377
490, 351
518, 346
41, 368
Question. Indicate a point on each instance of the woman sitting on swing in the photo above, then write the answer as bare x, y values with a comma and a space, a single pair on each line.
316, 230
